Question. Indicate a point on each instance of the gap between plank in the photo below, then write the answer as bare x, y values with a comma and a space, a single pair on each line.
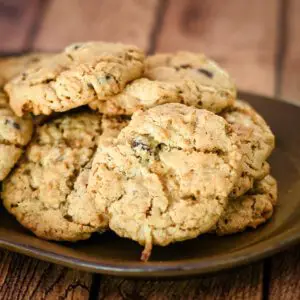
95, 287
159, 17
282, 41
266, 278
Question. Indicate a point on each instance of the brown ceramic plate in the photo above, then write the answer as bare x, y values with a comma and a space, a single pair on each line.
112, 255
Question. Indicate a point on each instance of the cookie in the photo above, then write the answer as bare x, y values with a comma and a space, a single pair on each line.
257, 143
251, 209
172, 169
77, 76
246, 181
15, 133
182, 77
46, 190
140, 94
14, 65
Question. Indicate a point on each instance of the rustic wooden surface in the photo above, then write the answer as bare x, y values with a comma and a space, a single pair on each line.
257, 41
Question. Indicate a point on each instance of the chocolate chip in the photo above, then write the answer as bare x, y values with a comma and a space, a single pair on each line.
12, 123
16, 125
216, 151
68, 218
104, 79
185, 66
75, 47
90, 85
160, 146
207, 73
125, 118
47, 80
27, 172
71, 57
139, 144
148, 212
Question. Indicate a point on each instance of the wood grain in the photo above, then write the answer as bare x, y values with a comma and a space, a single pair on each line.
245, 283
17, 18
241, 35
68, 21
285, 275
25, 278
290, 87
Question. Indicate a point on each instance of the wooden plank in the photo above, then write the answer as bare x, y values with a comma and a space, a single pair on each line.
284, 271
239, 34
243, 284
290, 88
25, 278
285, 275
68, 21
17, 17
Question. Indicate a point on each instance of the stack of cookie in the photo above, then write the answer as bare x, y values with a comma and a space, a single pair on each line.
157, 149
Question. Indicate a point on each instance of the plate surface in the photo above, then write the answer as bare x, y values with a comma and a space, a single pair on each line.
112, 255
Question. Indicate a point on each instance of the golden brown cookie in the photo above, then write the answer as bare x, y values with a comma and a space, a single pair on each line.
172, 169
46, 192
15, 133
82, 73
182, 77
13, 65
251, 209
257, 143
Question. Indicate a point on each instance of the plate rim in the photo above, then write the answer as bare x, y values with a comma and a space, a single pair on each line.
160, 269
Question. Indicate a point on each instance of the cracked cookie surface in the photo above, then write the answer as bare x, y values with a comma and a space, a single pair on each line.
251, 209
46, 190
182, 77
15, 134
257, 143
14, 65
172, 169
82, 73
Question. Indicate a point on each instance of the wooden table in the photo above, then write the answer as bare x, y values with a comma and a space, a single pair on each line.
256, 41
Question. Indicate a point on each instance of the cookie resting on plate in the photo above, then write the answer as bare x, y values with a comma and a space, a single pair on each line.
257, 143
172, 169
46, 191
250, 210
